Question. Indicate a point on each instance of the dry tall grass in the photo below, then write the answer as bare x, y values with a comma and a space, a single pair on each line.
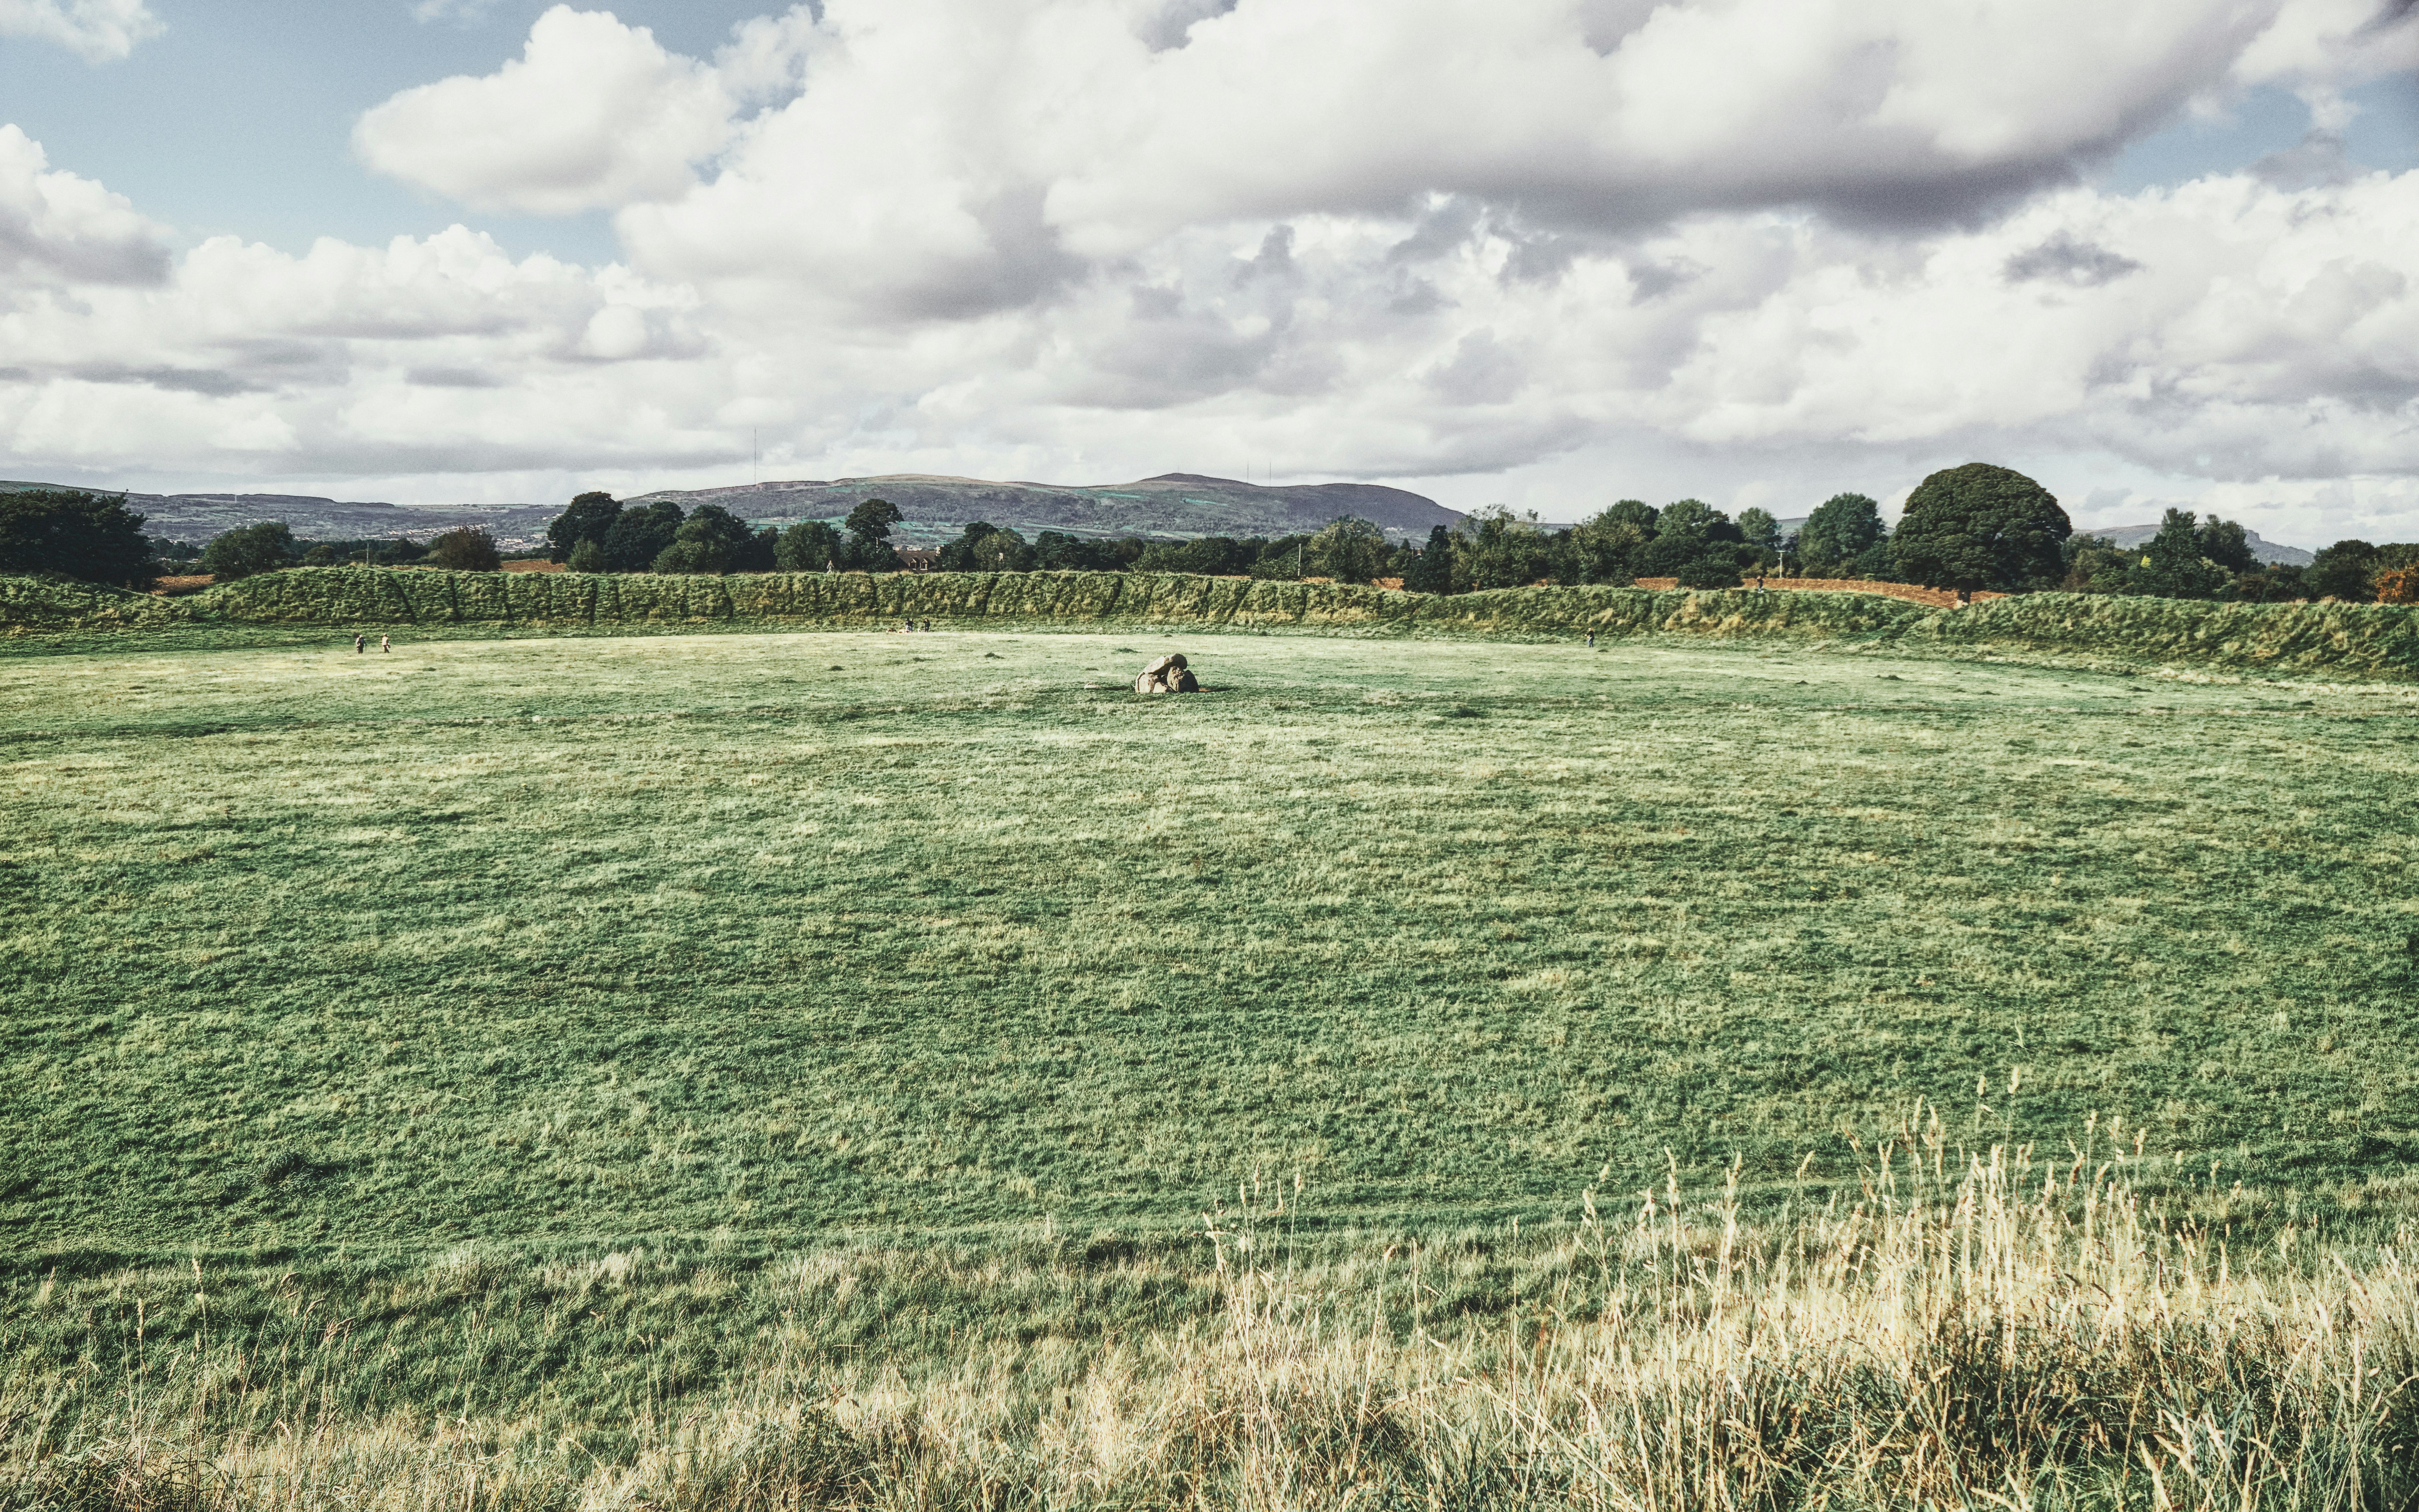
1987, 1331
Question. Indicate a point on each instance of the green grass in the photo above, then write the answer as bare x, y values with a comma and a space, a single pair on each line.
507, 1070
793, 937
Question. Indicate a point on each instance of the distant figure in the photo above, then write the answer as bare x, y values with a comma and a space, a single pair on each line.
357, 644
1759, 582
1590, 640
927, 628
385, 643
906, 625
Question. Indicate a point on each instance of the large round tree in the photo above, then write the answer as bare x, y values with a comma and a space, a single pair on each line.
1981, 526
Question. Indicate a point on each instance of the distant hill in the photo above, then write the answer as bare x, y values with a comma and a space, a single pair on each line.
197, 517
1181, 504
1175, 504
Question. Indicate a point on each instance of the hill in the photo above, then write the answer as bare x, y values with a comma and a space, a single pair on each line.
1180, 504
198, 516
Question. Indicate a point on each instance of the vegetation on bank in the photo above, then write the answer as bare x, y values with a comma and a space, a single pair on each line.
2302, 638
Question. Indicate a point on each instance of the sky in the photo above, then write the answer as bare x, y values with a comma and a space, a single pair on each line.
1546, 254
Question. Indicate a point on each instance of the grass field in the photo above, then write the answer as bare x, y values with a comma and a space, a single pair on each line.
916, 991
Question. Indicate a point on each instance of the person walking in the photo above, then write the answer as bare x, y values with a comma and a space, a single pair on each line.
1590, 640
357, 644
385, 643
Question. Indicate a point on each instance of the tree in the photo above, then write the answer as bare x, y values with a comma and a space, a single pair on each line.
958, 555
73, 534
1610, 546
248, 551
588, 556
1212, 556
2346, 570
1431, 571
2227, 543
1841, 528
1981, 526
712, 541
1761, 530
1349, 550
469, 549
985, 547
2171, 566
639, 533
869, 537
1494, 550
2095, 566
809, 546
2398, 585
1058, 551
1688, 531
1283, 559
1709, 571
589, 519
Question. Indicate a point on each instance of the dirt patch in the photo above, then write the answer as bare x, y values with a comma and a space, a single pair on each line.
537, 566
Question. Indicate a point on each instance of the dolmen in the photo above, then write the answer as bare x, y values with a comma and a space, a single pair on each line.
1167, 674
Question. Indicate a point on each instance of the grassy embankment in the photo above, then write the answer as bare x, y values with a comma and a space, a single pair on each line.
500, 1073
2352, 640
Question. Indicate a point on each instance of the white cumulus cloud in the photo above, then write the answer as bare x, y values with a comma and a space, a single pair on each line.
57, 227
1753, 250
592, 112
95, 30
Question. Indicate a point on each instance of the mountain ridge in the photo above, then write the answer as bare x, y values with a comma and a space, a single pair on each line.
1170, 504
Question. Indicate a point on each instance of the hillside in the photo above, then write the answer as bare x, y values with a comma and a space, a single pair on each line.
1180, 504
197, 517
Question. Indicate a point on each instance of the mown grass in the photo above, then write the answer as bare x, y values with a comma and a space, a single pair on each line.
653, 938
633, 1043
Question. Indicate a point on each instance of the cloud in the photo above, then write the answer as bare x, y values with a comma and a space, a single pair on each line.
937, 158
2063, 258
592, 114
98, 31
1739, 239
462, 12
57, 227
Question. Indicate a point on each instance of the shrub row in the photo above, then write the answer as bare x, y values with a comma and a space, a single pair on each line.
2353, 639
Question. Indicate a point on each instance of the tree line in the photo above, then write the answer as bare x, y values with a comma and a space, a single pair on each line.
1968, 527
